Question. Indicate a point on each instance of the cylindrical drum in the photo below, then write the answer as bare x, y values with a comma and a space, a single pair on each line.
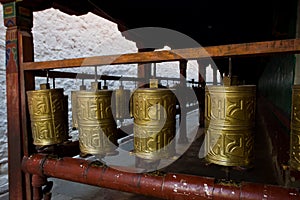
66, 106
295, 129
121, 101
154, 113
96, 125
230, 124
131, 105
48, 115
74, 107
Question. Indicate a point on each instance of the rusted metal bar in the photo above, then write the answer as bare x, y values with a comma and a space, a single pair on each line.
166, 186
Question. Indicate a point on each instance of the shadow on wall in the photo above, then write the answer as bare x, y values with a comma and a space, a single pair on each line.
3, 118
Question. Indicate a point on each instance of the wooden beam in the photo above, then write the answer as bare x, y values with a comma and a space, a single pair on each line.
232, 50
244, 49
18, 21
143, 57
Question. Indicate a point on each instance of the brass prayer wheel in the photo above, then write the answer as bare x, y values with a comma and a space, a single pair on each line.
154, 113
96, 125
229, 124
295, 129
66, 106
74, 107
122, 103
48, 115
131, 105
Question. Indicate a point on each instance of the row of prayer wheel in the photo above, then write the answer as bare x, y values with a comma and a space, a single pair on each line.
153, 110
229, 121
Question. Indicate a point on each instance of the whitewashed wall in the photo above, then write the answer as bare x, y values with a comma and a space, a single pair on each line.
3, 121
60, 36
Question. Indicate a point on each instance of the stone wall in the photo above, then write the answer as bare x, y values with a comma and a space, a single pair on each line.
3, 121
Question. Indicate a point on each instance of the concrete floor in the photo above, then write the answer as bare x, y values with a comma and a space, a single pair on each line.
4, 196
262, 172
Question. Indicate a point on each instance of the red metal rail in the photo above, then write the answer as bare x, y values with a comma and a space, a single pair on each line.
167, 186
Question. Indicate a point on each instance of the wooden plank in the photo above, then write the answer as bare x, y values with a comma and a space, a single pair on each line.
14, 125
243, 49
26, 79
233, 50
143, 57
27, 82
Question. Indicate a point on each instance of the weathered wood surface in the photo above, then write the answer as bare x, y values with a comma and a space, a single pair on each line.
232, 50
18, 38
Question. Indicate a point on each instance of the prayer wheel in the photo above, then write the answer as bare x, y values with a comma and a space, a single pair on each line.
74, 107
74, 110
154, 113
122, 103
131, 105
48, 115
295, 129
230, 124
96, 125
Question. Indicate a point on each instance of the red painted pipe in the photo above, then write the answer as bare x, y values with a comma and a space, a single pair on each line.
167, 186
37, 183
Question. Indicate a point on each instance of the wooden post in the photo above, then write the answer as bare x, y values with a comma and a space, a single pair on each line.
201, 71
144, 69
19, 48
183, 134
215, 74
202, 64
